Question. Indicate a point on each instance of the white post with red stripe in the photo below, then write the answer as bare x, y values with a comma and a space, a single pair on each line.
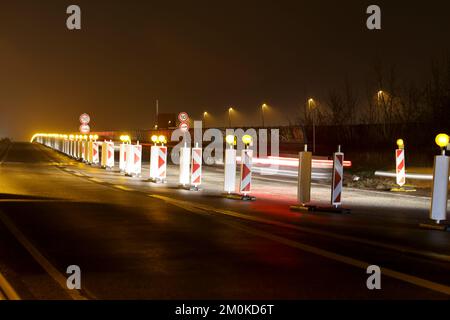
185, 163
246, 172
123, 157
137, 160
338, 177
95, 153
104, 152
90, 151
109, 155
196, 167
158, 163
230, 170
400, 163
83, 150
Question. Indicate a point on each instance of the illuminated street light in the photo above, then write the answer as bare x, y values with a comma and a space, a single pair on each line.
264, 106
312, 108
229, 116
205, 114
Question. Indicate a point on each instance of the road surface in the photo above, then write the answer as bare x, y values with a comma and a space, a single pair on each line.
134, 239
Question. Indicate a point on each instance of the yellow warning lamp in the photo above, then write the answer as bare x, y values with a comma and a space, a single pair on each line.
71, 137
66, 136
162, 139
95, 136
155, 139
91, 137
229, 139
247, 139
401, 144
442, 140
85, 137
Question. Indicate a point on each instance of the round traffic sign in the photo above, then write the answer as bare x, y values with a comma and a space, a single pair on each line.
184, 126
85, 118
85, 129
183, 116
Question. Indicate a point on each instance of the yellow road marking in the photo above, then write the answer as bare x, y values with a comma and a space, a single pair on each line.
43, 262
122, 187
307, 248
96, 180
7, 289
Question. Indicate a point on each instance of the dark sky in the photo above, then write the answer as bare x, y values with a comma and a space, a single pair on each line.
195, 56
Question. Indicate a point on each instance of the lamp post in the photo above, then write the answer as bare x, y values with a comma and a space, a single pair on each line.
312, 107
229, 116
204, 118
262, 113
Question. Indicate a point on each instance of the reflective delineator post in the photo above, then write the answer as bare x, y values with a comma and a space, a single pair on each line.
304, 180
400, 168
438, 211
137, 160
185, 162
196, 167
158, 163
95, 153
129, 163
337, 179
104, 153
90, 145
110, 155
230, 170
122, 157
246, 173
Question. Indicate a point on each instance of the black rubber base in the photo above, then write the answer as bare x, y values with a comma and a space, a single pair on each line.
434, 226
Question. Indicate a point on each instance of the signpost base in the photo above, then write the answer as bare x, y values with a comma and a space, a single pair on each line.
236, 196
405, 188
434, 226
313, 208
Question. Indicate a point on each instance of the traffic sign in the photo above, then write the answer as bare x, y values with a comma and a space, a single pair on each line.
183, 117
184, 126
85, 118
85, 129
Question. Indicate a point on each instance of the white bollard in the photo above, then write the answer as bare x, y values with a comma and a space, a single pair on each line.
110, 155
400, 163
123, 157
137, 160
230, 170
129, 167
246, 172
104, 154
185, 161
304, 180
158, 163
95, 153
438, 211
196, 167
337, 179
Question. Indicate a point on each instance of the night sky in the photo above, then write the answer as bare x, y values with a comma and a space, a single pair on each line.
195, 56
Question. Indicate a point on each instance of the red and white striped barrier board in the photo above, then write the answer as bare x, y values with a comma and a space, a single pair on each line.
246, 171
123, 157
338, 177
109, 155
230, 170
95, 153
158, 163
400, 166
90, 151
196, 168
137, 160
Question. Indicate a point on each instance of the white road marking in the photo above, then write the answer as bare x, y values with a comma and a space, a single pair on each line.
43, 262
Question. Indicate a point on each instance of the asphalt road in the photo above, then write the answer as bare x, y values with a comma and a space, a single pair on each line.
136, 240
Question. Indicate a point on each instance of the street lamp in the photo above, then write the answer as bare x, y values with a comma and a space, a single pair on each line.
312, 106
204, 118
229, 116
264, 106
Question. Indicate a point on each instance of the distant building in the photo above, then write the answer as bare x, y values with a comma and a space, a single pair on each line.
167, 120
